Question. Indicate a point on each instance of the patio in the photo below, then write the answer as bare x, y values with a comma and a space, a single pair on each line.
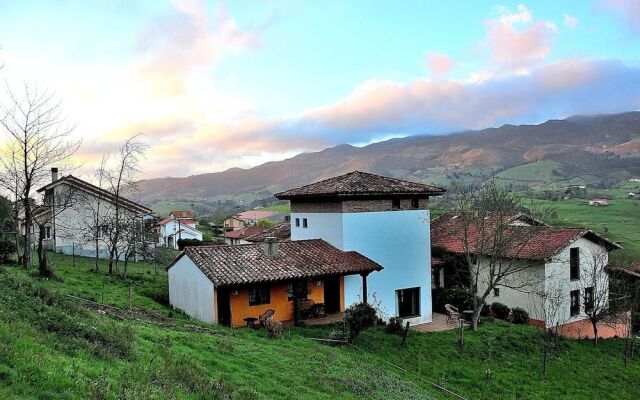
329, 319
438, 323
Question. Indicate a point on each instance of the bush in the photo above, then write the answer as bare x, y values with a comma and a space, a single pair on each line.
486, 310
7, 249
458, 297
520, 315
500, 310
395, 326
358, 317
273, 328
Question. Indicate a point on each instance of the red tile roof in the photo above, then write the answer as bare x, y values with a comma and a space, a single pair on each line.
358, 184
244, 233
282, 231
248, 263
182, 214
255, 214
526, 242
95, 190
183, 221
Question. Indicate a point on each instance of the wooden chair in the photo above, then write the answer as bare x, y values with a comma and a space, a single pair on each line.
263, 317
452, 312
307, 308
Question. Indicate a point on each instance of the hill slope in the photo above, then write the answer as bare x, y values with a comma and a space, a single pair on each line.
606, 147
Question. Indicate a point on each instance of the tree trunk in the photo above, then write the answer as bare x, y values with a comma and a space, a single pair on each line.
595, 333
43, 267
26, 256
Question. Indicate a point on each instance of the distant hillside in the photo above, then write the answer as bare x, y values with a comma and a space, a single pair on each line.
595, 149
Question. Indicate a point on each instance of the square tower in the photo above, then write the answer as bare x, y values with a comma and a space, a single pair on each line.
382, 218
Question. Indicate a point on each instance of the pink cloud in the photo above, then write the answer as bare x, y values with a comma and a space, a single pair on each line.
512, 47
177, 43
439, 64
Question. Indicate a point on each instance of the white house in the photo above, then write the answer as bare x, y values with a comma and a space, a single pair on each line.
559, 271
84, 224
178, 225
384, 219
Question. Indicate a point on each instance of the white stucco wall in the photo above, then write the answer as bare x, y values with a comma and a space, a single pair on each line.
398, 240
529, 274
191, 291
593, 257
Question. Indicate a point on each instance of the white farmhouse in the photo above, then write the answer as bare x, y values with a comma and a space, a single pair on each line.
384, 219
83, 224
560, 272
178, 225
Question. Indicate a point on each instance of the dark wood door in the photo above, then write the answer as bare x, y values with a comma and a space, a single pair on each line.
224, 307
332, 294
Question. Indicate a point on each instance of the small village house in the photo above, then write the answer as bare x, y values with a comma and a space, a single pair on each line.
569, 261
599, 202
178, 225
82, 226
239, 236
248, 218
233, 284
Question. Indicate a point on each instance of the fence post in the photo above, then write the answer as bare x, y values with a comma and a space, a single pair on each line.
461, 336
130, 290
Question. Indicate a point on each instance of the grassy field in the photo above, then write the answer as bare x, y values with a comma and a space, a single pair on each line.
620, 221
280, 208
53, 348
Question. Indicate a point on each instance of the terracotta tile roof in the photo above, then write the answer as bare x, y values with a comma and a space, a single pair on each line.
526, 242
183, 221
248, 263
282, 231
359, 183
95, 190
255, 214
244, 233
182, 214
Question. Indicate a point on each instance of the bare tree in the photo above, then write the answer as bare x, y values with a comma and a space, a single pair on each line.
120, 179
492, 245
548, 307
624, 295
38, 138
594, 286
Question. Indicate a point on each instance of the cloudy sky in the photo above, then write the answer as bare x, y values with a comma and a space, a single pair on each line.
214, 85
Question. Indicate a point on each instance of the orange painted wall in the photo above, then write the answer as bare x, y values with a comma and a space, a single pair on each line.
283, 308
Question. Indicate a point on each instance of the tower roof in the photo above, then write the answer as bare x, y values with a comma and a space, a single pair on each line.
360, 184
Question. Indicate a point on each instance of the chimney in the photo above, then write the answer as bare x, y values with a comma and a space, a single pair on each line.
54, 174
271, 247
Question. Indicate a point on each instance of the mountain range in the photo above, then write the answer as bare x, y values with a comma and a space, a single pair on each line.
594, 150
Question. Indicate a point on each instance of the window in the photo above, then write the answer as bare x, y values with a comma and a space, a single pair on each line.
102, 231
304, 223
408, 301
575, 302
588, 299
298, 222
415, 203
47, 232
574, 263
395, 204
290, 292
496, 292
259, 295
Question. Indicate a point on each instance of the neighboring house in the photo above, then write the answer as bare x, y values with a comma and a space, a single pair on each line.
178, 225
83, 226
240, 236
281, 231
599, 202
384, 219
226, 284
570, 262
248, 218
233, 223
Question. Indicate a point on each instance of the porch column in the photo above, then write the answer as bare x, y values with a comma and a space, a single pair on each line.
364, 287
